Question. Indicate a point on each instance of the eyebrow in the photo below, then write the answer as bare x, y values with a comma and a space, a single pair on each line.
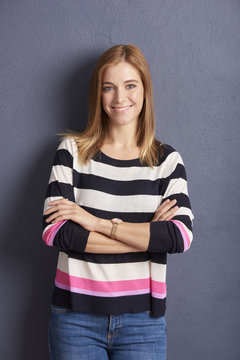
109, 82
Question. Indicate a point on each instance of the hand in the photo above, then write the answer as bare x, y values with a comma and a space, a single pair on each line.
166, 211
65, 209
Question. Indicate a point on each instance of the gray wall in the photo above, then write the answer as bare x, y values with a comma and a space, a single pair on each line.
48, 50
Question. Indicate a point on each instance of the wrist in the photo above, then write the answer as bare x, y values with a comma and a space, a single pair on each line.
103, 226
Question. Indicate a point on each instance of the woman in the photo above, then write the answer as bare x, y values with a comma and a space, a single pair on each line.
116, 204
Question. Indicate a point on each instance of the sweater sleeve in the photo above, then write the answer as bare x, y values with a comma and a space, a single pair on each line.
175, 235
66, 235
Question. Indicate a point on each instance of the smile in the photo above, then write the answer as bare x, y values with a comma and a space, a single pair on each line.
121, 109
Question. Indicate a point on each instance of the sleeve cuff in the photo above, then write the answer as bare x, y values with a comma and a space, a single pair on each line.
77, 235
160, 237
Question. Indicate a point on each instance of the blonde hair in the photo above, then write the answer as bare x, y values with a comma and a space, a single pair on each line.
91, 139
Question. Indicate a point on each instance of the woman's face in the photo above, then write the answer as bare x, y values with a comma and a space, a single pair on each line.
122, 93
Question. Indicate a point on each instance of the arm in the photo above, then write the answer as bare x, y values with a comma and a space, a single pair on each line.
99, 243
66, 235
102, 244
158, 236
171, 235
99, 240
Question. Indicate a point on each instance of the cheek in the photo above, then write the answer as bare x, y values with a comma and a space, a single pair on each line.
137, 97
106, 100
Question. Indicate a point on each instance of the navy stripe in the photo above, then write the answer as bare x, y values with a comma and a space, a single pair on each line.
105, 159
101, 305
56, 188
71, 236
126, 216
165, 237
159, 258
158, 307
63, 157
106, 306
178, 173
116, 187
182, 200
109, 258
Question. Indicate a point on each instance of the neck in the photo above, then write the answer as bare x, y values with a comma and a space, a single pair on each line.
123, 136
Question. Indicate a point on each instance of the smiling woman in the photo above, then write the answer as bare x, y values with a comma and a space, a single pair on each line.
123, 96
117, 202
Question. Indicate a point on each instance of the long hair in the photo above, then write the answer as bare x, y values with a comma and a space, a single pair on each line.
91, 139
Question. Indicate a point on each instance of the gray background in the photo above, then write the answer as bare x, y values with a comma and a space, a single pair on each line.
48, 51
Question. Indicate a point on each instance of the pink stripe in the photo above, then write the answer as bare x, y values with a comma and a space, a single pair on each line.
49, 235
102, 294
158, 287
102, 286
183, 232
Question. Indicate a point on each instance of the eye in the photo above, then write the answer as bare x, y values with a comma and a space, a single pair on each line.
131, 86
107, 88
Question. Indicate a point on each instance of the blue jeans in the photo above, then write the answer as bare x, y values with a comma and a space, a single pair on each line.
82, 336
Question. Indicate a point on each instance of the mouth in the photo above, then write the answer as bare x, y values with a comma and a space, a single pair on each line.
121, 109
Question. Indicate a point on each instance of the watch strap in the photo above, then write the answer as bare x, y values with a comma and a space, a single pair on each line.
115, 223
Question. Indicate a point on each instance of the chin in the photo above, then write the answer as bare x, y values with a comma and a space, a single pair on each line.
123, 121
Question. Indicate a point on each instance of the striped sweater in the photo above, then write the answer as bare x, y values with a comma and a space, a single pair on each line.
127, 189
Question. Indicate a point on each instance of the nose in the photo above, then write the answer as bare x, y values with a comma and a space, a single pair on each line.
120, 96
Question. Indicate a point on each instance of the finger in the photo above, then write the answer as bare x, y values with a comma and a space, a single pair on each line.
62, 216
167, 204
59, 206
56, 214
59, 201
168, 215
50, 210
164, 207
171, 213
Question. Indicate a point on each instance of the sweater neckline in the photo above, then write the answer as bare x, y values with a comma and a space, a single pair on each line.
119, 162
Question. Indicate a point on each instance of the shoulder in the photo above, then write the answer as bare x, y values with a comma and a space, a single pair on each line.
68, 144
66, 152
169, 155
171, 163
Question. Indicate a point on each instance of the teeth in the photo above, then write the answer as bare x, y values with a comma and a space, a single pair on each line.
122, 108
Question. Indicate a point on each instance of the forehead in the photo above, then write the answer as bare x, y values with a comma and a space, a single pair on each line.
121, 72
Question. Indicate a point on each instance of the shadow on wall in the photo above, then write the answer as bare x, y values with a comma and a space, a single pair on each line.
28, 263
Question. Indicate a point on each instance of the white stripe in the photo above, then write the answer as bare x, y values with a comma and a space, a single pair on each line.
184, 211
109, 272
130, 173
118, 203
47, 200
69, 145
158, 272
176, 186
62, 174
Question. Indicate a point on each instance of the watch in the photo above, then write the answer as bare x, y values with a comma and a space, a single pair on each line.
115, 223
